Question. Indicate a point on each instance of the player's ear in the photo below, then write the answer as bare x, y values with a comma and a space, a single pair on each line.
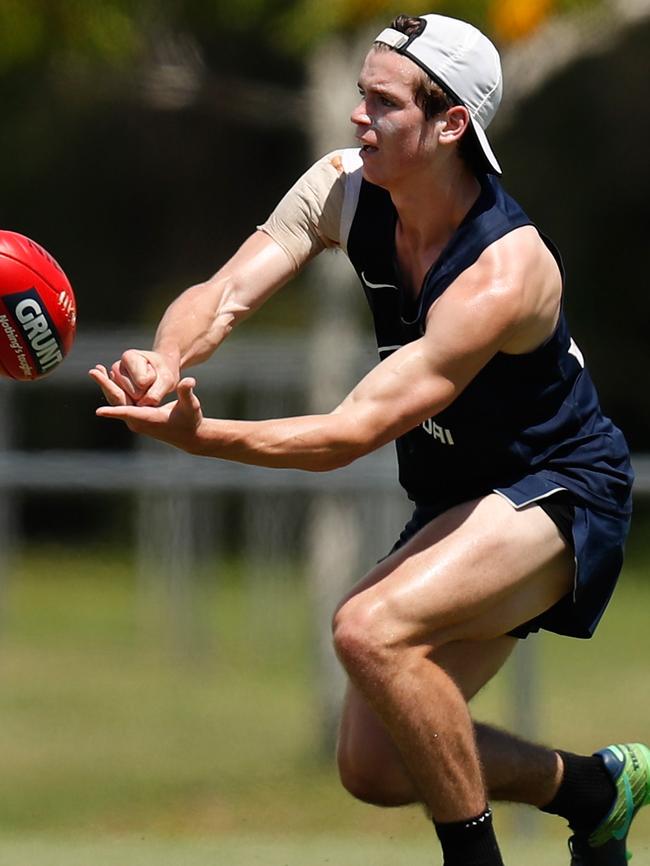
455, 124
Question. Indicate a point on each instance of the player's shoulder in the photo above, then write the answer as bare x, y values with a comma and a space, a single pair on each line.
510, 275
339, 164
514, 258
337, 176
517, 284
330, 176
313, 213
514, 249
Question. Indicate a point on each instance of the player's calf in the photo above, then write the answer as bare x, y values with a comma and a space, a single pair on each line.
376, 785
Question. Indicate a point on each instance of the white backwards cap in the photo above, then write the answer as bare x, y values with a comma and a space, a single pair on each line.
463, 61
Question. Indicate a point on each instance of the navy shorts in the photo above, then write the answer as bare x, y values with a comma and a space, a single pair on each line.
597, 539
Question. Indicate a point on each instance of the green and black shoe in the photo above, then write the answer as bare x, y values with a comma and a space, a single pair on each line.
629, 766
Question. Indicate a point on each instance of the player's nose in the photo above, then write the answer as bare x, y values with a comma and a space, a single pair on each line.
360, 116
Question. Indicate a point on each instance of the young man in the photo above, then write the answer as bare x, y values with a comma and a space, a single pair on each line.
521, 485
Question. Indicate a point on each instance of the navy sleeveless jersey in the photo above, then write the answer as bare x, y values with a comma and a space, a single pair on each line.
527, 425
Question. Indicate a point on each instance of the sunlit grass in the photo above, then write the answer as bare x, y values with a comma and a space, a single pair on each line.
140, 744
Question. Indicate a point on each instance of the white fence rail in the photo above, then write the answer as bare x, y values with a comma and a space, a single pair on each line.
262, 364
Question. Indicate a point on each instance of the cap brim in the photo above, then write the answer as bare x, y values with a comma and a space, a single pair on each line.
482, 139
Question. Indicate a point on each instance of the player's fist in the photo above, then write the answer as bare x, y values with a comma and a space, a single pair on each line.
145, 377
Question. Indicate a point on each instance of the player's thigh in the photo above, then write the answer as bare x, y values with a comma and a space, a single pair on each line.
474, 572
363, 738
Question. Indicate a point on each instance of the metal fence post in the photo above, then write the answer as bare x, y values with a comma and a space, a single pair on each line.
7, 507
167, 561
524, 711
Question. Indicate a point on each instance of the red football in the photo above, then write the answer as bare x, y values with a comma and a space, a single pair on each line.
38, 311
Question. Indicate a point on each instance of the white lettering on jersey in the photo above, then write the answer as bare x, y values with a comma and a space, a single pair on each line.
442, 434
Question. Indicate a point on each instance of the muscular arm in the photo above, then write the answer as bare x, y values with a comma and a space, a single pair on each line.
195, 324
201, 317
305, 222
490, 308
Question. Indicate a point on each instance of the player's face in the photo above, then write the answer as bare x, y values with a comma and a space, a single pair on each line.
395, 137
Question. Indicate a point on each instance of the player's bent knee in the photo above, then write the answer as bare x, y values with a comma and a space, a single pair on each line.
370, 641
361, 636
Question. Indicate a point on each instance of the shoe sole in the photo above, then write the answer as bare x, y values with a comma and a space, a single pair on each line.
645, 751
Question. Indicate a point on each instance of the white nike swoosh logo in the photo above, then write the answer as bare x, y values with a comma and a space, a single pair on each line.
376, 285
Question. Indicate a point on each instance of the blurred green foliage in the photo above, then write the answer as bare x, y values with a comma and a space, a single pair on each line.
309, 20
114, 32
35, 30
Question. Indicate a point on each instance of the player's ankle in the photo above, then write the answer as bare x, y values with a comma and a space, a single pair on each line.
586, 792
469, 843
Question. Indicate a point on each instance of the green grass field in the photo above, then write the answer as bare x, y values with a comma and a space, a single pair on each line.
121, 744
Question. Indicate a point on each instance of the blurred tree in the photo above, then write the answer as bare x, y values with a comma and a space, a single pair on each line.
116, 32
37, 31
514, 19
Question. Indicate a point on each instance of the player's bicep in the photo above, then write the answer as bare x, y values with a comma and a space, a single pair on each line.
421, 379
470, 323
260, 260
204, 314
251, 275
396, 395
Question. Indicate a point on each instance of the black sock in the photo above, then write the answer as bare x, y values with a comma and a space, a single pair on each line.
470, 843
586, 792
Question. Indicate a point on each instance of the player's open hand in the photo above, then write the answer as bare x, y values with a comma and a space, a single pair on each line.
114, 394
176, 423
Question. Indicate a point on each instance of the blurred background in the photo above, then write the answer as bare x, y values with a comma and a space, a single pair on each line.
167, 689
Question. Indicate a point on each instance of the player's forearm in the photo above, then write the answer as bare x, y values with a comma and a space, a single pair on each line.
315, 443
199, 320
